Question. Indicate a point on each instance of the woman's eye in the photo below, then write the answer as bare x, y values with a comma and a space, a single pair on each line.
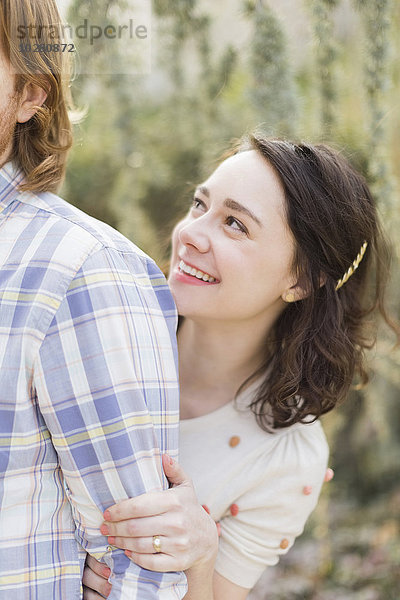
235, 224
196, 203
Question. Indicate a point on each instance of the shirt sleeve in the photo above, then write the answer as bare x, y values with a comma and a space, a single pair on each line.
273, 511
106, 386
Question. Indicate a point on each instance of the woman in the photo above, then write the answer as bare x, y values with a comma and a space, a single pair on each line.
271, 272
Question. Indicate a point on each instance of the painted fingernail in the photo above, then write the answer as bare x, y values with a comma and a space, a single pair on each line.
107, 515
206, 508
128, 553
307, 490
111, 540
104, 529
106, 572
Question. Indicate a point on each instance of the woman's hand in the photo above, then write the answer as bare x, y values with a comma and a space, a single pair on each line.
187, 534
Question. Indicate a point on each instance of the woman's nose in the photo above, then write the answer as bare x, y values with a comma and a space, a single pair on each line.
196, 235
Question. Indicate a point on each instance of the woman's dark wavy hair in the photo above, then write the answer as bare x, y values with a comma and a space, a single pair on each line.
318, 343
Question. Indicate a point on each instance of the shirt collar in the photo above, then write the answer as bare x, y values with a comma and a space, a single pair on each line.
11, 176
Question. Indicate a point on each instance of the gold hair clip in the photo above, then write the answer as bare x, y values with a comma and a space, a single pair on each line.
353, 267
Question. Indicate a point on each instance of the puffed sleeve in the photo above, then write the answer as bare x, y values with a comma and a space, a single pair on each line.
274, 510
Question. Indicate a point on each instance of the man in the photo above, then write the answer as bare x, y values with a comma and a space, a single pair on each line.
88, 379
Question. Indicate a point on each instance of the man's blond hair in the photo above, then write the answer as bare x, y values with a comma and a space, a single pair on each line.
41, 145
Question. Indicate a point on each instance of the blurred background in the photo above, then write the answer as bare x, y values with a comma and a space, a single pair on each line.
305, 69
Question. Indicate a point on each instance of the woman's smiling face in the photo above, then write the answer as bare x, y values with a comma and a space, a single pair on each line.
236, 240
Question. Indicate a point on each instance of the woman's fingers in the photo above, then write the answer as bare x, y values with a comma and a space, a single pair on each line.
145, 505
98, 567
152, 503
140, 545
158, 562
169, 524
97, 583
89, 594
173, 471
169, 546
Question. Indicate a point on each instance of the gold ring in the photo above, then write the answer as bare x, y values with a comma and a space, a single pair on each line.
157, 543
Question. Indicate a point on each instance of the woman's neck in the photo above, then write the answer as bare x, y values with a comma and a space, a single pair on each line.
215, 358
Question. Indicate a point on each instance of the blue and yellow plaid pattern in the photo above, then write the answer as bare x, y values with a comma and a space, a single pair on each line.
88, 395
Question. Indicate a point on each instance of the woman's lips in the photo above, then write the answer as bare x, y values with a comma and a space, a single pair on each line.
195, 272
188, 274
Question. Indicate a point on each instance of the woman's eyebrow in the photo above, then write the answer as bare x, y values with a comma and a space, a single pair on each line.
203, 190
232, 204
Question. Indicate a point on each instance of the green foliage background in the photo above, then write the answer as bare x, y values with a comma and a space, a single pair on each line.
146, 140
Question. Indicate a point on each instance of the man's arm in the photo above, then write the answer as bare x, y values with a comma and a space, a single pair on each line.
106, 385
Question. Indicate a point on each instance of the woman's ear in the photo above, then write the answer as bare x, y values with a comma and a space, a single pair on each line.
294, 294
300, 290
33, 97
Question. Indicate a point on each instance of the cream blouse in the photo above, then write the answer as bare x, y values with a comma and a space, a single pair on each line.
264, 474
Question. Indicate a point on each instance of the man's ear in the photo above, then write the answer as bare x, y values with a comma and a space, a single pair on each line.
299, 290
32, 98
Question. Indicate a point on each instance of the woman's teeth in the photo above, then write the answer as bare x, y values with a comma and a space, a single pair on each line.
195, 272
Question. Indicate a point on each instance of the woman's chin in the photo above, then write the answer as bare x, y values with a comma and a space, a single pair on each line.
188, 310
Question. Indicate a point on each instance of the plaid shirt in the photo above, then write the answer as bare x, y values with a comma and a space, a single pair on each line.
88, 395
